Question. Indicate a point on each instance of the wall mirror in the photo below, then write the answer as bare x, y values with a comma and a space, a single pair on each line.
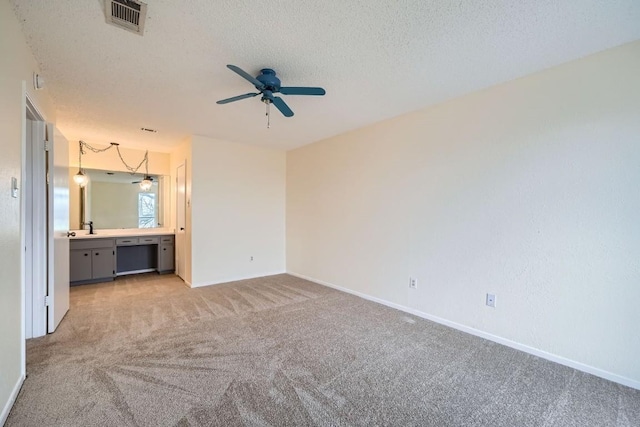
114, 200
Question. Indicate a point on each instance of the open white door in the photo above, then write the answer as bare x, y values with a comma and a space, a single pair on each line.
58, 225
181, 195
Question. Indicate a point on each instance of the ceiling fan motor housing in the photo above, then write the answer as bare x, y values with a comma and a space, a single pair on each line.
268, 78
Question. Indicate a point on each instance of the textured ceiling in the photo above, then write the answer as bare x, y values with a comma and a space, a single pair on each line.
376, 59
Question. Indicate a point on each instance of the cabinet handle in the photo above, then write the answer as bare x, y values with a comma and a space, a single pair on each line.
86, 254
97, 253
164, 249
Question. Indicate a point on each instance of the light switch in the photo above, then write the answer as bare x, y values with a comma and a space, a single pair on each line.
14, 187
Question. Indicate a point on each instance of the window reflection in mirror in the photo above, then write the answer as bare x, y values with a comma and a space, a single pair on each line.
114, 200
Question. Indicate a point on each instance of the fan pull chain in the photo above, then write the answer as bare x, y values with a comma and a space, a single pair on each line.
268, 114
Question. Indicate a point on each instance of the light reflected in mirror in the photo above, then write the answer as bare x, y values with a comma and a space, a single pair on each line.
114, 200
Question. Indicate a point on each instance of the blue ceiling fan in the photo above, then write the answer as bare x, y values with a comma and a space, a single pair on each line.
268, 84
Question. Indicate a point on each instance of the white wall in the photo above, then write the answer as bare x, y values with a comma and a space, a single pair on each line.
529, 190
238, 211
15, 73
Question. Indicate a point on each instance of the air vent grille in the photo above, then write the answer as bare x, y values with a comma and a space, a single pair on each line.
127, 14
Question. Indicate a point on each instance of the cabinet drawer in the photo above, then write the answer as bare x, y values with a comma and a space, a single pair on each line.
148, 240
90, 244
167, 239
126, 241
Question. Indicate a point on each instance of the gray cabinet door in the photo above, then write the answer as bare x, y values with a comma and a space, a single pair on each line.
165, 258
102, 263
79, 265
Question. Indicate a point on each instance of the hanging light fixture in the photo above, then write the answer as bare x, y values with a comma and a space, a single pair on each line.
80, 178
146, 183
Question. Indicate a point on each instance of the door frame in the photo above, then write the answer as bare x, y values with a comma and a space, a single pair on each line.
33, 240
180, 240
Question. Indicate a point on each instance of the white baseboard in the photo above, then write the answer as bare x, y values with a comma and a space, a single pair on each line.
235, 279
12, 399
518, 346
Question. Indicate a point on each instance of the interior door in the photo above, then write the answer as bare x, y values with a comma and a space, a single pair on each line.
181, 223
58, 225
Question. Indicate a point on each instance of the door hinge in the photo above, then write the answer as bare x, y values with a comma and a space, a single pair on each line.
47, 301
46, 145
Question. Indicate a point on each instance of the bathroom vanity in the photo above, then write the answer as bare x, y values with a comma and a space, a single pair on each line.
103, 256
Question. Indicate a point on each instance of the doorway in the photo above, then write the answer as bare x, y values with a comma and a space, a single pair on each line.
44, 224
181, 207
34, 208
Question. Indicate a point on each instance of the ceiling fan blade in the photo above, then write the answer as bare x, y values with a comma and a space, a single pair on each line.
282, 106
237, 98
257, 83
302, 91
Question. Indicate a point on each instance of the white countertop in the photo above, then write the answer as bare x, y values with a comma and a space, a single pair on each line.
122, 232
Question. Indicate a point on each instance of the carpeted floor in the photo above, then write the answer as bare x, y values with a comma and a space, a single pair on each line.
281, 351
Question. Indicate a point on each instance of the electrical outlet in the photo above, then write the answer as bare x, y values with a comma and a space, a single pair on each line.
413, 283
491, 300
251, 259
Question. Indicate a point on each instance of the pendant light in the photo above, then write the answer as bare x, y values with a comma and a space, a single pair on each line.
146, 183
80, 178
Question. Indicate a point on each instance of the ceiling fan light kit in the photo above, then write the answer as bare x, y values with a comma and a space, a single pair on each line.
268, 84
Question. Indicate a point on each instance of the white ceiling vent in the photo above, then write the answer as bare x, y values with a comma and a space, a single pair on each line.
127, 14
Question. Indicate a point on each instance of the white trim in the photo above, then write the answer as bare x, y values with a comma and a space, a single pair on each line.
28, 105
504, 341
31, 105
12, 399
40, 231
235, 279
23, 245
180, 236
35, 324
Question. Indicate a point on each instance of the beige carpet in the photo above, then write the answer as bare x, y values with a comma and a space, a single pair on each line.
281, 351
